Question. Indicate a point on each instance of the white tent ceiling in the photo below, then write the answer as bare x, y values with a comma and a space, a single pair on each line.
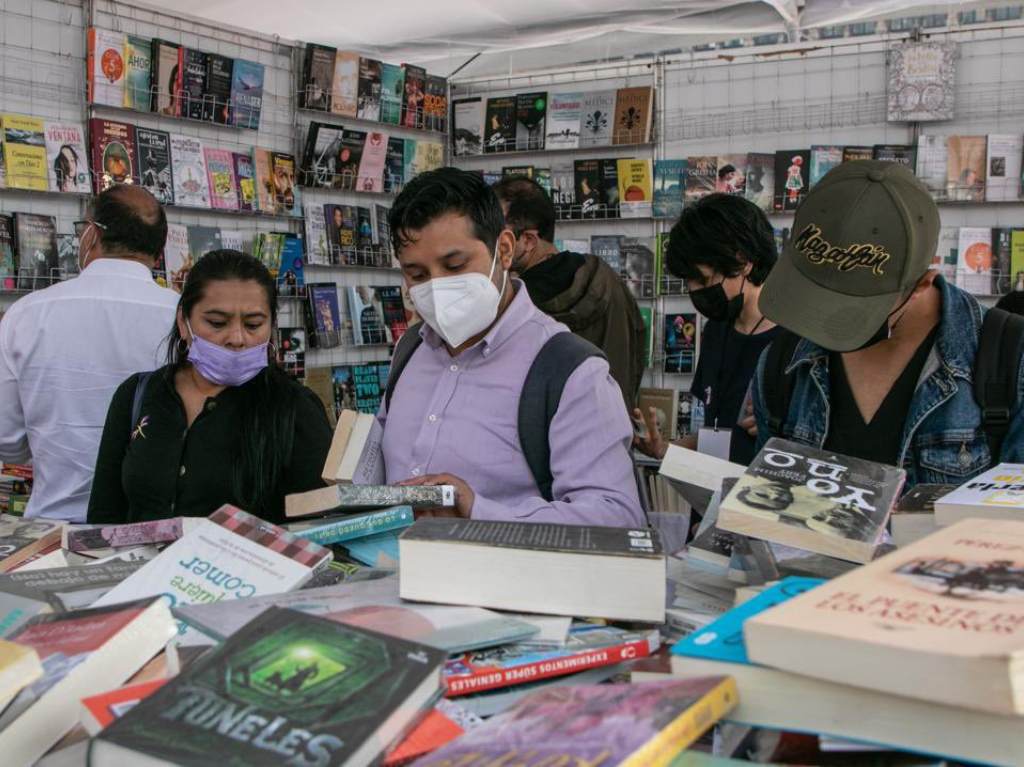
517, 35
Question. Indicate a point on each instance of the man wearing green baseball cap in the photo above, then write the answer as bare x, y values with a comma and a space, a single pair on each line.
881, 352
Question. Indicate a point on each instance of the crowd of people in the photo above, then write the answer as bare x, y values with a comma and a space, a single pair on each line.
134, 402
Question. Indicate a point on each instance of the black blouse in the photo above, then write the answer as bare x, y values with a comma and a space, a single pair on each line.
161, 467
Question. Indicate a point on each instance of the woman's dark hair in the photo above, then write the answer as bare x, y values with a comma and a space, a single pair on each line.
446, 190
61, 166
267, 408
722, 232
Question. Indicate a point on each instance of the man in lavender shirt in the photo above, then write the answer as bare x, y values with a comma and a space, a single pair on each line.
453, 417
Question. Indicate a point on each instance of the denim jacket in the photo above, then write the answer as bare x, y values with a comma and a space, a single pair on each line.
942, 440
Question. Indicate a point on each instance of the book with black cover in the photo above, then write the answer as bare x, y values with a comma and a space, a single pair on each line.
610, 185
921, 498
318, 77
349, 158
217, 101
903, 154
500, 124
435, 104
851, 153
369, 89
304, 690
321, 158
193, 84
154, 158
415, 93
35, 237
112, 146
167, 72
792, 178
587, 182
323, 315
530, 111
394, 165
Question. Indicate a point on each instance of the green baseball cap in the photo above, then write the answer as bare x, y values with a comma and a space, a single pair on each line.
862, 238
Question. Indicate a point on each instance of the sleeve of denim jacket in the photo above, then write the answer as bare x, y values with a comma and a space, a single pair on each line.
764, 432
1013, 445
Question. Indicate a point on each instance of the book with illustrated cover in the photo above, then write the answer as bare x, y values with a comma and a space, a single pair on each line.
287, 201
531, 110
369, 89
360, 387
392, 90
902, 154
321, 156
974, 260
587, 181
823, 159
646, 723
138, 53
35, 247
920, 81
563, 121
435, 104
635, 188
8, 263
947, 252
792, 174
468, 126
429, 156
217, 99
851, 153
409, 170
67, 160
291, 273
317, 77
680, 342
760, 188
597, 119
99, 711
996, 494
112, 146
609, 185
357, 497
350, 157
324, 315
394, 165
500, 124
291, 351
640, 265
731, 174
263, 179
966, 168
24, 149
345, 85
1003, 179
317, 250
246, 94
154, 161
371, 165
167, 69
415, 93
245, 175
634, 114
202, 240
309, 685
814, 500
188, 165
1002, 255
220, 172
193, 84
105, 67
367, 314
932, 157
701, 178
177, 256
669, 180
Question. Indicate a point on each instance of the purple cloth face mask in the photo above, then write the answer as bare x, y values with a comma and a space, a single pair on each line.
222, 366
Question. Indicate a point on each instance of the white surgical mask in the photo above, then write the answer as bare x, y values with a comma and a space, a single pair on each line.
459, 307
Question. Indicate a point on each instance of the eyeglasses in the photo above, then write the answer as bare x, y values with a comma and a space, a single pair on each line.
81, 226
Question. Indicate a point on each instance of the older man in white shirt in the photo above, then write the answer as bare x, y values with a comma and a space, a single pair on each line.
65, 349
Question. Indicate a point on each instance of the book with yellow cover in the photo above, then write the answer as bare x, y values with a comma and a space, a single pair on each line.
635, 188
25, 152
940, 620
19, 667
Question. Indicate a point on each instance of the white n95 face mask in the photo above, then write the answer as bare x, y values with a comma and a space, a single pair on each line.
459, 307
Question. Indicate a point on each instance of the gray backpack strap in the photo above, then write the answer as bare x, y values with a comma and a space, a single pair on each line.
404, 349
541, 394
140, 392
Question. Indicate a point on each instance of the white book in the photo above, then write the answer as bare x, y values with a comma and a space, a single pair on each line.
188, 162
108, 67
66, 154
563, 121
316, 234
996, 494
468, 128
692, 468
974, 260
232, 239
177, 256
945, 260
1002, 182
931, 164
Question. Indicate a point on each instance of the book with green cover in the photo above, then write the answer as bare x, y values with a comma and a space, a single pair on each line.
392, 88
288, 688
138, 58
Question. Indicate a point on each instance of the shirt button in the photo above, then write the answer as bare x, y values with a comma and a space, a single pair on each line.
454, 368
432, 418
181, 472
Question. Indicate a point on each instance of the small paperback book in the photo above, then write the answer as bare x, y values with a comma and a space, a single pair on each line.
22, 538
792, 178
188, 164
701, 178
500, 125
312, 691
813, 500
359, 497
760, 188
531, 109
669, 178
966, 168
634, 110
468, 126
345, 88
597, 119
154, 158
634, 186
563, 121
732, 174
67, 160
996, 494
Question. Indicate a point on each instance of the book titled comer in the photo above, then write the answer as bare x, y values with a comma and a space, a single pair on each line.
604, 572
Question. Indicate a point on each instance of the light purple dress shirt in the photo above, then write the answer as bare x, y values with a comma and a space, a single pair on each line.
458, 415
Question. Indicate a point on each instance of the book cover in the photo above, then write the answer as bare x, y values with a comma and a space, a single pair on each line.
597, 119
392, 90
35, 239
105, 62
291, 351
635, 188
345, 86
350, 156
321, 155
138, 94
329, 531
67, 161
364, 236
19, 667
587, 183
639, 259
367, 315
409, 160
669, 178
317, 251
922, 498
167, 66
359, 497
645, 723
965, 168
372, 162
25, 152
1016, 257
665, 404
369, 89
8, 264
812, 499
852, 153
563, 121
383, 243
938, 620
500, 125
23, 538
931, 167
435, 104
647, 316
82, 538
701, 178
680, 344
436, 729
112, 147
1002, 181
267, 248
313, 689
188, 166
246, 94
217, 99
415, 93
823, 159
531, 109
394, 165
996, 494
1001, 256
193, 84
201, 240
291, 274
245, 176
468, 126
608, 247
429, 156
920, 81
220, 172
902, 154
760, 188
317, 77
154, 161
264, 179
177, 257
609, 185
99, 711
634, 110
792, 168
974, 260
287, 201
325, 314
731, 174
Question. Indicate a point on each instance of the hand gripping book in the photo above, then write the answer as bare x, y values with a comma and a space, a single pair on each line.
939, 620
814, 500
287, 689
353, 497
631, 725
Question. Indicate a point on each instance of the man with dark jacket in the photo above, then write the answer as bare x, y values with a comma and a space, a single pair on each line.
579, 290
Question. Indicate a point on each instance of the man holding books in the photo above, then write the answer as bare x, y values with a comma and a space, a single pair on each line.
454, 416
885, 366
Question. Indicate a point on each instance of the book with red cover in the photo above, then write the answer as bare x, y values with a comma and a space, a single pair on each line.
588, 646
434, 731
112, 145
100, 710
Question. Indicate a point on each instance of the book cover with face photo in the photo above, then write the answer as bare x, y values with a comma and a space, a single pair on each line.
67, 161
287, 201
731, 174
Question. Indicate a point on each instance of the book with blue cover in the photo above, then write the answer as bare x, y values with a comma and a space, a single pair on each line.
349, 527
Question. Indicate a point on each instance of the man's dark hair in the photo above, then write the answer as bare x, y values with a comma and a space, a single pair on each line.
131, 222
1012, 302
446, 190
529, 206
713, 231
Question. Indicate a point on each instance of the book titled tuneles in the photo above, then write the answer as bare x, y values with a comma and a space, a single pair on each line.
605, 572
814, 500
288, 688
358, 497
996, 494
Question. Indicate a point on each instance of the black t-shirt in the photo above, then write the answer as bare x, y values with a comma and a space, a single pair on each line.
552, 277
726, 365
880, 439
163, 468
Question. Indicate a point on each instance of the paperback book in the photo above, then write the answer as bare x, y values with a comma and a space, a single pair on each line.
635, 188
597, 119
188, 166
563, 121
24, 140
105, 67
468, 126
345, 86
634, 111
318, 77
791, 178
357, 497
760, 188
531, 109
639, 261
220, 173
112, 147
852, 153
193, 84
931, 167
392, 90
669, 180
680, 344
701, 178
974, 271
324, 325
415, 92
35, 240
901, 154
732, 174
921, 81
245, 175
369, 89
824, 159
154, 159
246, 94
500, 125
217, 99
965, 168
166, 66
1003, 178
67, 161
996, 494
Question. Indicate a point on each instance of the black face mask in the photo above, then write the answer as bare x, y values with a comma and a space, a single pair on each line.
884, 333
713, 303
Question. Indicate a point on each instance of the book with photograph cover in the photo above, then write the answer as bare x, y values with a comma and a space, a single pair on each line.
24, 150
500, 126
920, 81
35, 247
193, 84
634, 114
639, 263
392, 91
105, 67
792, 173
345, 86
263, 175
468, 126
531, 109
823, 159
188, 166
315, 223
67, 160
202, 240
902, 154
350, 157
587, 182
317, 77
177, 256
814, 500
322, 155
154, 157
563, 121
138, 57
1003, 180
760, 188
167, 66
246, 94
680, 343
701, 178
291, 351
731, 174
415, 93
287, 201
394, 165
367, 313
932, 156
669, 180
435, 104
340, 222
360, 387
597, 119
1002, 256
217, 99
965, 168
112, 147
220, 172
324, 315
245, 175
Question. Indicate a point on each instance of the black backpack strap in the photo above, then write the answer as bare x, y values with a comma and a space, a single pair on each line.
541, 394
404, 349
777, 384
140, 392
996, 370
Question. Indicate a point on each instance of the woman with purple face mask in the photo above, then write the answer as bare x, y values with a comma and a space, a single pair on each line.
220, 423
